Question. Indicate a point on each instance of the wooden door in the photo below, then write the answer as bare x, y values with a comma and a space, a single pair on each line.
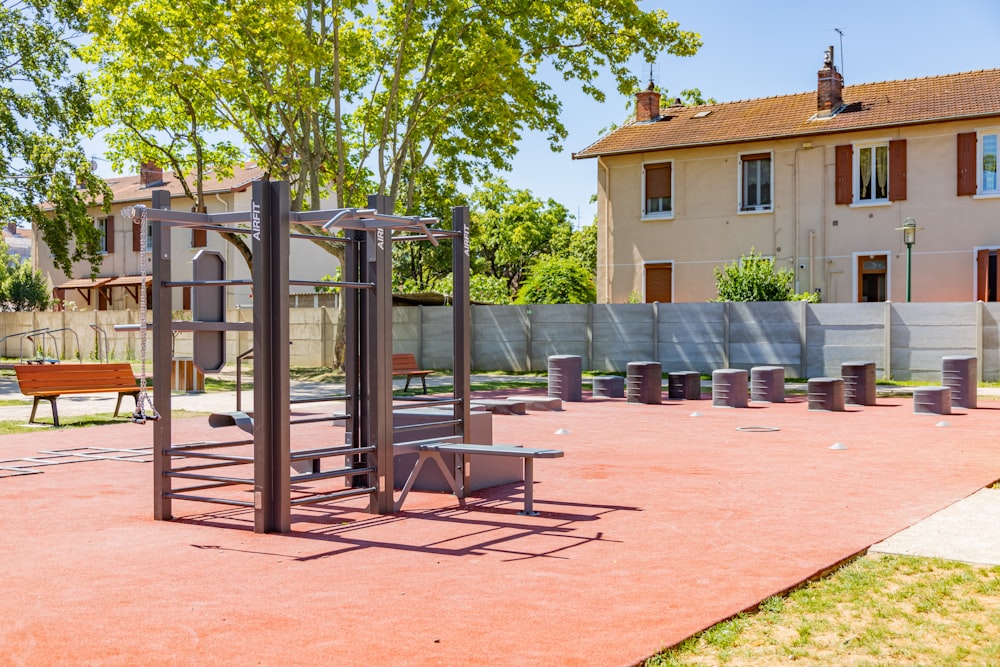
872, 278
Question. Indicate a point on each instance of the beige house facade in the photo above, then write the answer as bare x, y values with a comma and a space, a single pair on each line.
821, 181
118, 281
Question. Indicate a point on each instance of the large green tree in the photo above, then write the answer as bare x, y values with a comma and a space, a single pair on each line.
351, 94
511, 229
44, 111
356, 97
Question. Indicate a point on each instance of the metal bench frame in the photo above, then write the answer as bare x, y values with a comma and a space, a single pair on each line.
431, 451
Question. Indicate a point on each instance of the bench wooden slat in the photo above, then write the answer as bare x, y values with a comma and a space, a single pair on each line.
48, 382
404, 363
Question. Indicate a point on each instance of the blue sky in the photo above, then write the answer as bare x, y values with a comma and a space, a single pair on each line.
762, 49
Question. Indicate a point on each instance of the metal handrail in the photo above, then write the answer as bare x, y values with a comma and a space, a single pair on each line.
102, 335
248, 354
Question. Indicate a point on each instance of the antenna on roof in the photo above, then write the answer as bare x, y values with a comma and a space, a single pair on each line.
841, 33
653, 69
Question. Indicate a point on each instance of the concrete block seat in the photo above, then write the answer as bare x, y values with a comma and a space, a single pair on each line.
566, 377
859, 382
685, 385
932, 401
730, 388
608, 386
767, 384
960, 374
826, 394
644, 382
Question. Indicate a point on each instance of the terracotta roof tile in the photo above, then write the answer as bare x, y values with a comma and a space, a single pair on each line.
128, 188
867, 105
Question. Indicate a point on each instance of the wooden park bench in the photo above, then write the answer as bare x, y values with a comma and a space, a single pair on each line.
431, 451
405, 363
50, 381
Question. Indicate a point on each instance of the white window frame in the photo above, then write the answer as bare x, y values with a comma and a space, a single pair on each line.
658, 215
102, 225
740, 210
856, 173
981, 190
149, 236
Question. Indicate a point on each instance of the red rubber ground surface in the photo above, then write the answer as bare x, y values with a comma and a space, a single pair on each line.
655, 525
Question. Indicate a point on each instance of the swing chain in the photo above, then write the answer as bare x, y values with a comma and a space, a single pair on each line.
140, 416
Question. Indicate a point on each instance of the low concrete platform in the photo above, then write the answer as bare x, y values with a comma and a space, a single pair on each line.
547, 403
501, 406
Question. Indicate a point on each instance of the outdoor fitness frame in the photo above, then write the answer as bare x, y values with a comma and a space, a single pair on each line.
186, 471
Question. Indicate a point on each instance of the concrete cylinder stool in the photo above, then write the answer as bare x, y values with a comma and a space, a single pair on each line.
767, 384
644, 382
566, 377
608, 386
932, 401
684, 385
730, 388
826, 394
859, 382
961, 376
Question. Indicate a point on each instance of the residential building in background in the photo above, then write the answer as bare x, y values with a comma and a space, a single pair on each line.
821, 181
118, 281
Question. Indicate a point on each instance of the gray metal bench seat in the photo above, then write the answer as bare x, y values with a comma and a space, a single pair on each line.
432, 451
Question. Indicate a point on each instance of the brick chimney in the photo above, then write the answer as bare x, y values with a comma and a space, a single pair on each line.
647, 105
829, 92
150, 174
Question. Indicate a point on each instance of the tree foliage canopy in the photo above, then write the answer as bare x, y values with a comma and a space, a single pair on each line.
362, 97
558, 280
45, 109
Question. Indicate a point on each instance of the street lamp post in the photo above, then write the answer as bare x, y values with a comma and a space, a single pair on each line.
909, 230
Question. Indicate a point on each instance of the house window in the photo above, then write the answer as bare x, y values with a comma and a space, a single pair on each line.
657, 189
988, 164
755, 182
106, 228
873, 173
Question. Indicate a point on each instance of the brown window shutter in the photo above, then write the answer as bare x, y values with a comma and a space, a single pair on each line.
967, 164
844, 167
110, 242
199, 237
136, 238
657, 180
897, 170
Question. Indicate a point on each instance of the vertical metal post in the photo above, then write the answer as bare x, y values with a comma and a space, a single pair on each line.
269, 240
355, 432
909, 270
379, 354
162, 343
461, 327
